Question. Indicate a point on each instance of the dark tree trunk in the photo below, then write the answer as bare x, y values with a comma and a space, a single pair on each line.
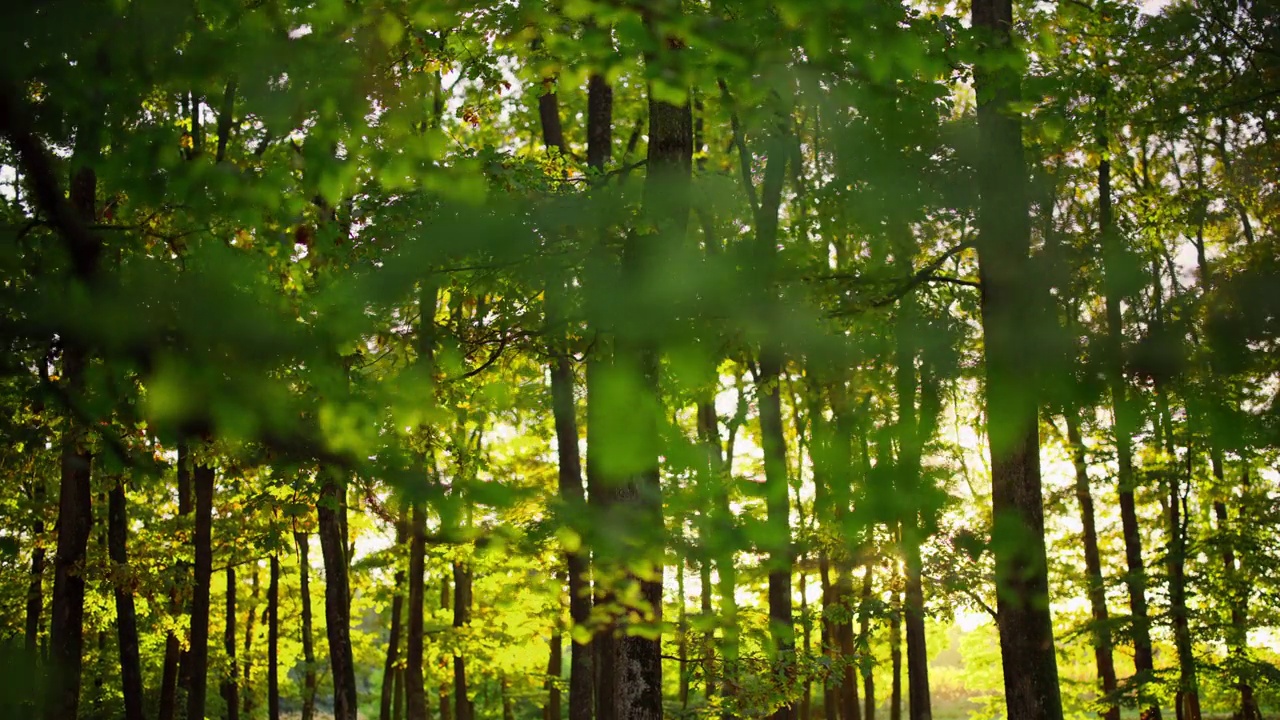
303, 541
273, 641
230, 686
919, 705
446, 603
246, 686
1093, 567
415, 691
849, 707
464, 709
75, 512
1237, 638
203, 479
173, 674
555, 658
895, 656
830, 633
1011, 303
397, 700
864, 635
126, 617
389, 668
1126, 423
35, 587
337, 606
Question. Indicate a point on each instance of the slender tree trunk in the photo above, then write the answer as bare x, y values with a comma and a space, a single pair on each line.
555, 658
919, 704
75, 512
35, 587
303, 541
682, 639
446, 603
508, 712
273, 641
1011, 303
1093, 568
247, 685
1237, 637
864, 645
464, 709
830, 634
415, 691
1126, 423
895, 655
806, 633
230, 686
850, 708
203, 478
389, 668
172, 673
126, 618
337, 606
397, 699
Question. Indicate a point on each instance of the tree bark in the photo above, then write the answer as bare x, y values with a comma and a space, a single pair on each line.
850, 708
464, 709
555, 658
75, 512
415, 691
247, 685
35, 587
174, 656
864, 644
446, 603
1012, 304
303, 541
895, 655
273, 640
337, 605
126, 617
230, 686
203, 480
389, 668
1093, 568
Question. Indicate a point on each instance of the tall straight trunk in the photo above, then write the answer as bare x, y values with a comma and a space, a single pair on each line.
1012, 305
1237, 637
720, 516
35, 585
203, 479
389, 668
806, 634
706, 609
246, 686
273, 640
850, 708
415, 691
555, 658
1093, 568
446, 603
230, 686
75, 512
919, 705
895, 656
126, 617
337, 604
508, 710
464, 709
864, 645
397, 699
1188, 695
172, 674
303, 541
829, 635
682, 640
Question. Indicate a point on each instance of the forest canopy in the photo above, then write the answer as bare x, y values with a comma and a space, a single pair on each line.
630, 359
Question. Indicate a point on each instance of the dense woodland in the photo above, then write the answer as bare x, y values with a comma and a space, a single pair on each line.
629, 359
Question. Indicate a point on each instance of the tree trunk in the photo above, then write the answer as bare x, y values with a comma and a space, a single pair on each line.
174, 656
895, 655
1238, 635
919, 704
1012, 303
246, 686
830, 634
415, 691
75, 512
203, 479
273, 641
508, 712
35, 587
397, 700
555, 659
303, 541
126, 617
1093, 567
230, 688
337, 606
849, 706
446, 603
389, 668
464, 709
864, 645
